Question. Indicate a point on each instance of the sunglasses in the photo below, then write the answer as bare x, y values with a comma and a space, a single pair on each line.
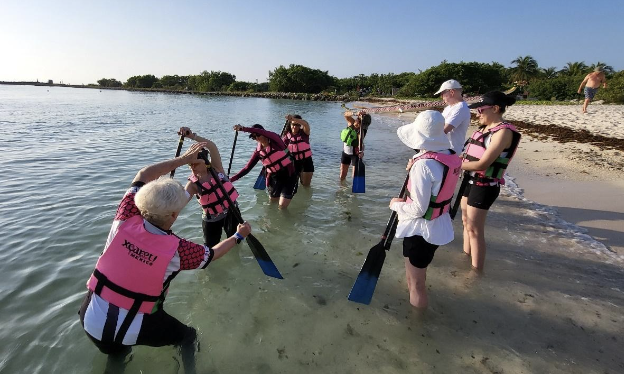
295, 124
482, 108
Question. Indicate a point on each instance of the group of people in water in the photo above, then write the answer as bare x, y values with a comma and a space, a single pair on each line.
126, 291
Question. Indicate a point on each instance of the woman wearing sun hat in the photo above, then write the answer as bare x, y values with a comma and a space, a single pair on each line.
487, 154
297, 139
424, 221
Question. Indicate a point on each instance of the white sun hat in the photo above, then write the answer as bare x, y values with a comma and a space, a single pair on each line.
425, 133
450, 84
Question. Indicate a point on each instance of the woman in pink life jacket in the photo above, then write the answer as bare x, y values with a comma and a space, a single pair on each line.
485, 157
424, 221
216, 213
297, 139
282, 179
126, 291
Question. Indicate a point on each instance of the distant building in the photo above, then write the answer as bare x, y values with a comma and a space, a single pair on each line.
50, 81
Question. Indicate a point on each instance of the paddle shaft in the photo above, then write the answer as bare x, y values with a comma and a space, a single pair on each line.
393, 221
178, 151
235, 211
232, 154
284, 129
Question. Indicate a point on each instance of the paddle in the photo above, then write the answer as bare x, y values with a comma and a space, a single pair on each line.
261, 255
178, 151
460, 192
364, 286
359, 183
261, 181
232, 155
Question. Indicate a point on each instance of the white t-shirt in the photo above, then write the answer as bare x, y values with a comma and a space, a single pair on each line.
458, 116
425, 180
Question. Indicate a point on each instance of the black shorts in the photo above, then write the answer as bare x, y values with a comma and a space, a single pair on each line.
348, 159
306, 165
282, 184
212, 230
419, 251
157, 329
481, 197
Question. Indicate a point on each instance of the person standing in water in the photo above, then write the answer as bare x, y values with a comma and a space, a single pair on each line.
216, 211
123, 306
297, 138
424, 220
350, 136
282, 179
487, 155
592, 83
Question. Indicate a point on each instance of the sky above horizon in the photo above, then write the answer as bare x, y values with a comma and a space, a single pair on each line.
79, 42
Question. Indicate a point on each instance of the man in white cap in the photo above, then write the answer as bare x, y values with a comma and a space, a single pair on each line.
424, 221
456, 113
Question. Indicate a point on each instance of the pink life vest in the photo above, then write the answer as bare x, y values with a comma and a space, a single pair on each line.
273, 160
475, 147
211, 197
441, 203
131, 271
297, 146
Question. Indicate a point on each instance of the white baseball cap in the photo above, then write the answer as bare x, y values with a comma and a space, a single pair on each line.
450, 84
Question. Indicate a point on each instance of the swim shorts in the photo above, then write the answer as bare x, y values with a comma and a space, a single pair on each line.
306, 165
590, 92
419, 251
348, 159
481, 197
282, 184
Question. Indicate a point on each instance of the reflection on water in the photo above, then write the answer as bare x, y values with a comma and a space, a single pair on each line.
70, 155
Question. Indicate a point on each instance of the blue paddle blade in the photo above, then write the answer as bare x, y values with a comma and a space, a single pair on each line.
359, 182
364, 286
261, 255
261, 181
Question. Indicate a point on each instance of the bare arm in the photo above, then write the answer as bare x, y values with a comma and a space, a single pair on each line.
305, 127
152, 172
583, 83
229, 243
500, 141
191, 189
349, 117
215, 156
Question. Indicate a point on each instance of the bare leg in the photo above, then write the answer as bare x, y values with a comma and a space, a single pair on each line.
475, 227
283, 202
343, 171
585, 104
416, 283
464, 207
115, 362
306, 178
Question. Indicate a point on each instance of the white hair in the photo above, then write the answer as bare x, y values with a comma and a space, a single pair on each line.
158, 199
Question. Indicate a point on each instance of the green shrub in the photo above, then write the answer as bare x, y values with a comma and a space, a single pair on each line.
614, 93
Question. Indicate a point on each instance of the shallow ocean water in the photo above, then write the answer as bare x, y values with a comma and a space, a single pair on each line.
550, 301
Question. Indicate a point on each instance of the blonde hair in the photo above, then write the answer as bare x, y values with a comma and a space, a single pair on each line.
158, 199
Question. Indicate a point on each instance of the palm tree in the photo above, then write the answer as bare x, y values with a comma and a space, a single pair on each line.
574, 68
607, 69
526, 69
550, 72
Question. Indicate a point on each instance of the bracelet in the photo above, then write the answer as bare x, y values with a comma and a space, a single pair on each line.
239, 237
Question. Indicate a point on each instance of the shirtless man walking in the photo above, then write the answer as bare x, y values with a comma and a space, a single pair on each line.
592, 83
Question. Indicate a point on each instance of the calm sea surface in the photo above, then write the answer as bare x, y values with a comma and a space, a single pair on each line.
550, 301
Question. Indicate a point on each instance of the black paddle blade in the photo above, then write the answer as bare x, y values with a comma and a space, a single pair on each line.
359, 183
364, 286
460, 193
261, 255
261, 181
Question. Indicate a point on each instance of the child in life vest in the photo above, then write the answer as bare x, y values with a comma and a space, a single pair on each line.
216, 211
297, 138
424, 222
350, 136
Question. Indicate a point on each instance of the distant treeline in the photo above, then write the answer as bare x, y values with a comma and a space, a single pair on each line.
475, 77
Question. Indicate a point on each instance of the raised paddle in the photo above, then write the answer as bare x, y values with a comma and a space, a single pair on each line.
261, 255
460, 192
364, 286
178, 151
232, 154
359, 182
